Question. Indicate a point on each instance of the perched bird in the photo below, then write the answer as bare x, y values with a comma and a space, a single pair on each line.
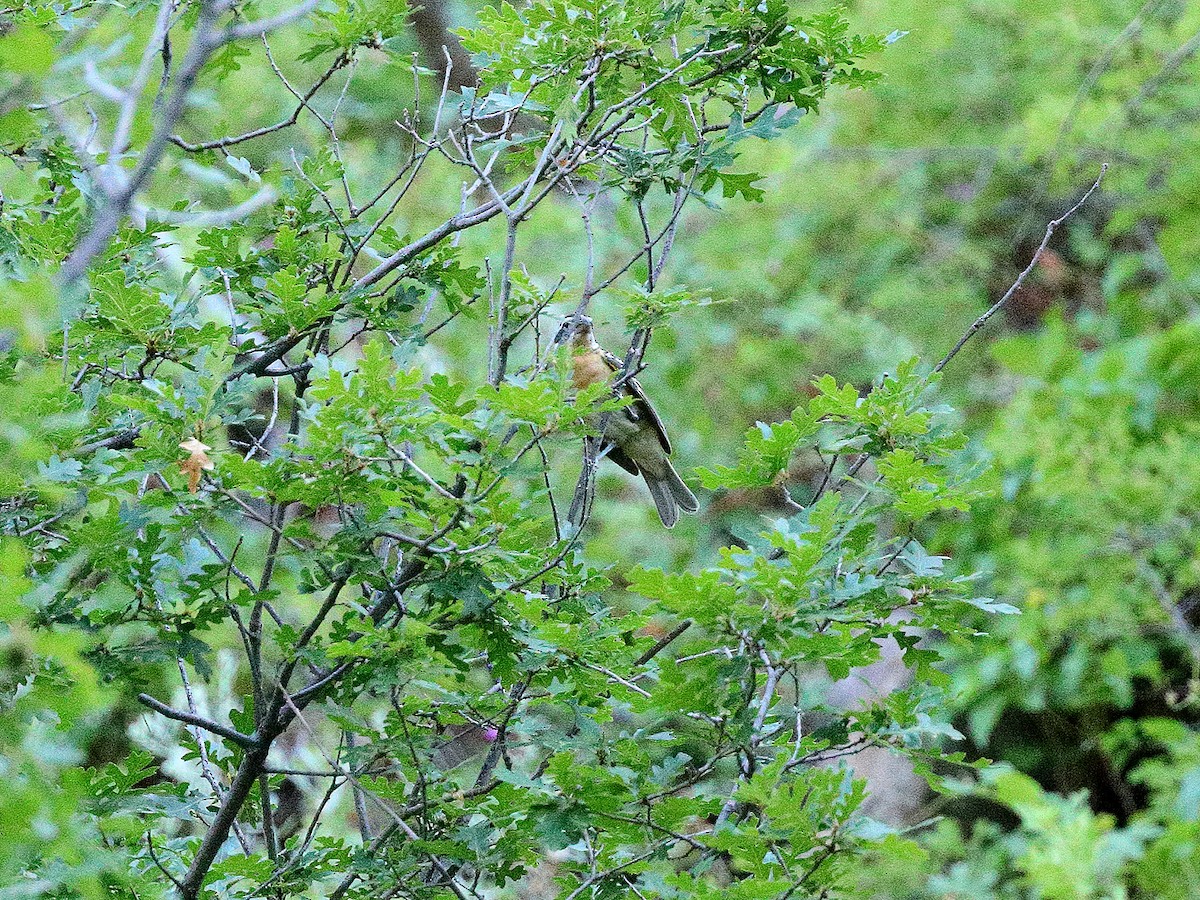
634, 437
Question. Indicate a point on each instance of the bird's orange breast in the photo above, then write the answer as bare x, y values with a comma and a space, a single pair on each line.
590, 368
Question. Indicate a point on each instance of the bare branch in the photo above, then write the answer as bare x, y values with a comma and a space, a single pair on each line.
662, 643
1016, 285
132, 95
214, 217
243, 740
222, 143
207, 39
259, 27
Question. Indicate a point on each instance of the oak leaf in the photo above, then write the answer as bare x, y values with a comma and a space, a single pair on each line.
198, 461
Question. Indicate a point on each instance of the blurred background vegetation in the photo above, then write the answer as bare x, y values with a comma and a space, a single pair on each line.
887, 225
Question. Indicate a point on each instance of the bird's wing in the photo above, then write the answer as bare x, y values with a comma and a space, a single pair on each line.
642, 410
621, 458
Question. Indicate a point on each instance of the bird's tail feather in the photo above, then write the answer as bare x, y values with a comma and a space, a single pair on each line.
670, 495
664, 499
682, 493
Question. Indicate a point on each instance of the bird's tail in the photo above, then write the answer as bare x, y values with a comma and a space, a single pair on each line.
670, 494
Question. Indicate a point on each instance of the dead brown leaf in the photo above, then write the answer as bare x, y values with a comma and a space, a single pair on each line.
198, 461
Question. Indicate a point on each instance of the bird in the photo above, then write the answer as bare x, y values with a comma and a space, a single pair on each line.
634, 437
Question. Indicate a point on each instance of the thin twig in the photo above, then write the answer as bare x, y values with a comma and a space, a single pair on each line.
243, 740
662, 643
1016, 285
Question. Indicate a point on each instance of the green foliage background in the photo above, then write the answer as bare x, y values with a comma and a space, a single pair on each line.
881, 228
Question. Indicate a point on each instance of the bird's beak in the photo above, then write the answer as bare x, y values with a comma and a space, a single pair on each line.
571, 327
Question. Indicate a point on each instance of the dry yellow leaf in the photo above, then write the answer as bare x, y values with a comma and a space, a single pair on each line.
197, 462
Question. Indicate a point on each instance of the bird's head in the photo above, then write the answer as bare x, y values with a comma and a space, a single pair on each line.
576, 331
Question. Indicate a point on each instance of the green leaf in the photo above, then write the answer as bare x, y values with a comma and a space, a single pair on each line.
765, 456
26, 50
